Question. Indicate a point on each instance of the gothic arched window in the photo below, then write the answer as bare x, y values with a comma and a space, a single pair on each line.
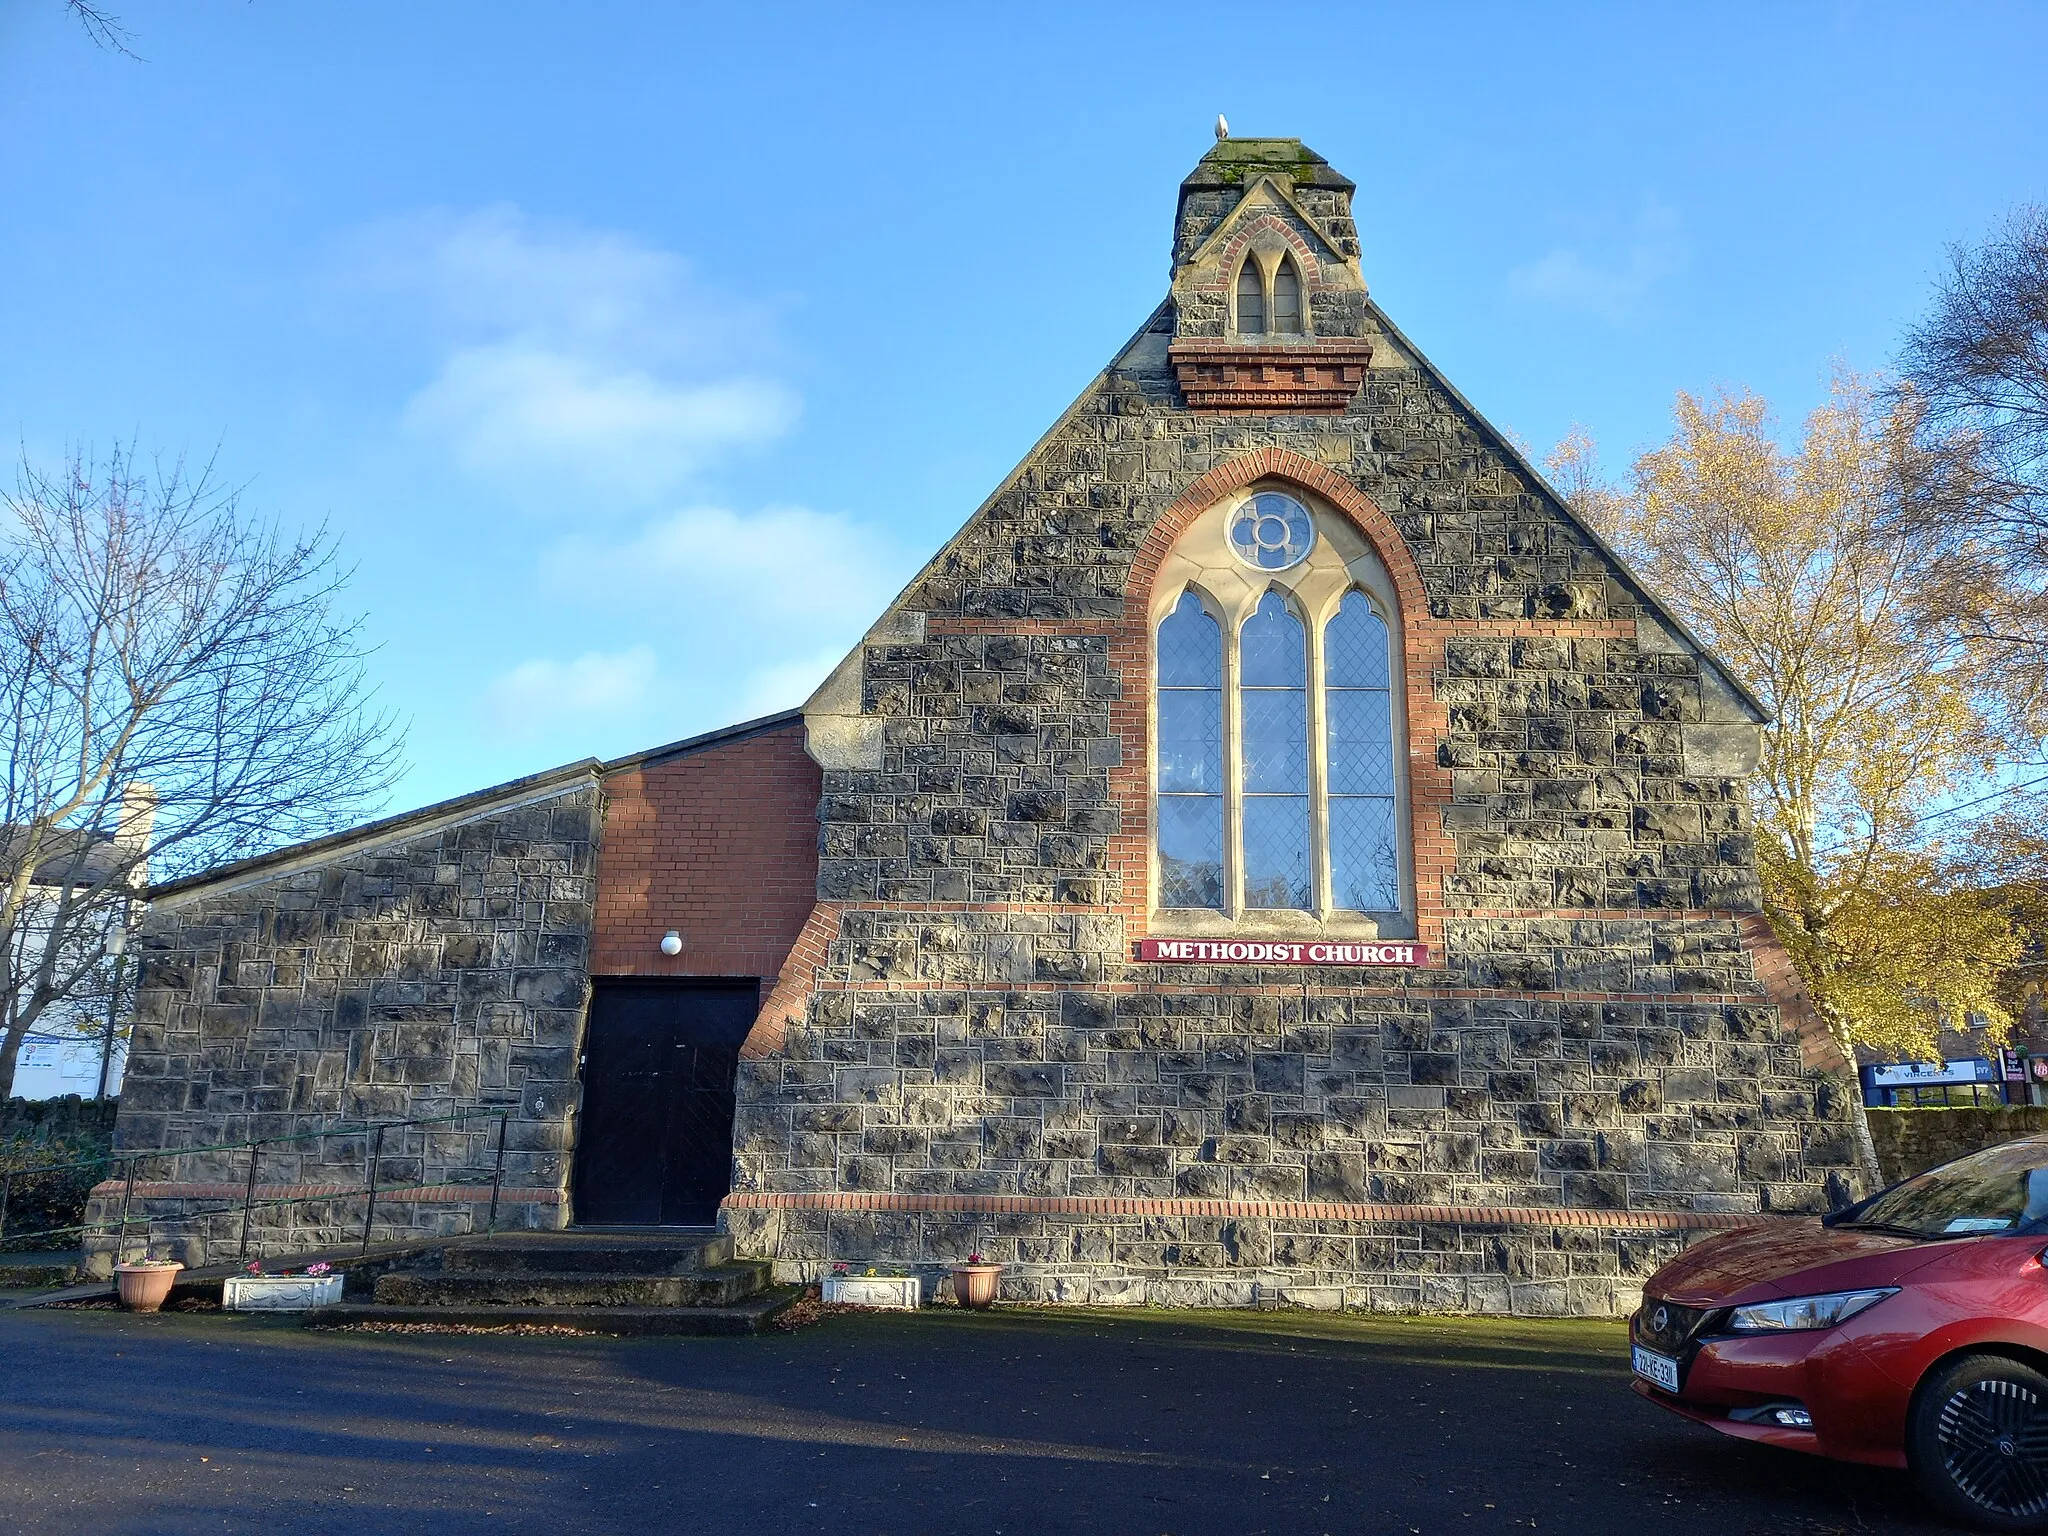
1272, 684
1190, 757
1365, 864
1279, 767
1251, 299
1287, 298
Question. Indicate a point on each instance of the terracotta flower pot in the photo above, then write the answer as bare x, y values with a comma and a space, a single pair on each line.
974, 1285
144, 1287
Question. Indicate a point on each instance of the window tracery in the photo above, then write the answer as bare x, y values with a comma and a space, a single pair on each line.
1280, 784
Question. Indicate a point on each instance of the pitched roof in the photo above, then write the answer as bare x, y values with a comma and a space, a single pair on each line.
461, 808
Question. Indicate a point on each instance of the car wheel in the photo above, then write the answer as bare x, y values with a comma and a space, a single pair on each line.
1978, 1443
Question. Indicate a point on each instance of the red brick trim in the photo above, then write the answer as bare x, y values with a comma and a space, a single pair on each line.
424, 1194
1422, 649
1267, 1210
1556, 629
719, 844
1233, 376
795, 983
1221, 269
1774, 968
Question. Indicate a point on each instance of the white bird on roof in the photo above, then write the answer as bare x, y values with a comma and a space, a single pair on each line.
1222, 127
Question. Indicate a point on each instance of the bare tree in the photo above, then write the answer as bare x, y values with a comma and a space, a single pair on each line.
178, 690
1978, 365
102, 26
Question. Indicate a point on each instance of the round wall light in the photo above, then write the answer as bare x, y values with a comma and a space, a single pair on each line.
671, 943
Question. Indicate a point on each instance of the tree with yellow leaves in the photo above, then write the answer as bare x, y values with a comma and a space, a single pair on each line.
1793, 567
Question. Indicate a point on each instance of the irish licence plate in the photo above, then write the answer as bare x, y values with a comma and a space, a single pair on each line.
1658, 1370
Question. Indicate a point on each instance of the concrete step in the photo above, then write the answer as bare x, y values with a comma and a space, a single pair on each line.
672, 1257
31, 1270
721, 1285
748, 1316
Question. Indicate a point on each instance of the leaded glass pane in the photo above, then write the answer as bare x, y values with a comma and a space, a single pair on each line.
1271, 532
1190, 647
1191, 740
1275, 741
1355, 646
1361, 742
1287, 300
1276, 851
1273, 711
1365, 868
1251, 300
1190, 802
1191, 851
1273, 647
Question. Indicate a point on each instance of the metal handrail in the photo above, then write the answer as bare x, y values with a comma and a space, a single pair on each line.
249, 1203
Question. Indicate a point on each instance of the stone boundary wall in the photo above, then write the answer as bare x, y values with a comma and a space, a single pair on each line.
437, 970
1910, 1141
27, 1119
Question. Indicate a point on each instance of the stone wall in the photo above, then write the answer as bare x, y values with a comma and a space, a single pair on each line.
69, 1117
430, 968
1137, 1258
1910, 1141
1591, 1039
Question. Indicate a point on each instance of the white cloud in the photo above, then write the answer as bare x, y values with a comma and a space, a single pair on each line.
539, 697
746, 611
1619, 274
771, 689
810, 572
571, 358
515, 410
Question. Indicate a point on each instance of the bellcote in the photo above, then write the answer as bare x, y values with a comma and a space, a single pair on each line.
1270, 304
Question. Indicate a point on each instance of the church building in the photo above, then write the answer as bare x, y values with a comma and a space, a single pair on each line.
1274, 850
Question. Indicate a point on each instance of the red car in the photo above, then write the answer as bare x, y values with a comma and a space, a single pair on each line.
1909, 1330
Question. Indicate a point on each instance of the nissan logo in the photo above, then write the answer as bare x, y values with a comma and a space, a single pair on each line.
1660, 1319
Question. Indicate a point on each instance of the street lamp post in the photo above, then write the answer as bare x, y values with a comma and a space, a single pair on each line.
117, 946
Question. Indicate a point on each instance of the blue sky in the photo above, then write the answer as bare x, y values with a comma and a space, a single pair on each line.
576, 322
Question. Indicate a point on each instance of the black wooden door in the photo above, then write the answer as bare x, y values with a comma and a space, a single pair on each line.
659, 1058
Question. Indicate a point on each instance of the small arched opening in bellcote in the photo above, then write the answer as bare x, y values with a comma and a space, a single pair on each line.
1251, 299
1268, 297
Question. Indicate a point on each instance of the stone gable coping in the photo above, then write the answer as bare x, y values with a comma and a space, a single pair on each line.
1226, 244
404, 827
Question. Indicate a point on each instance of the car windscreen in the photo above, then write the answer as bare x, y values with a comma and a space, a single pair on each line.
2002, 1189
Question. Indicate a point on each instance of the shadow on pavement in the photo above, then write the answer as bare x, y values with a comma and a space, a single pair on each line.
1020, 1421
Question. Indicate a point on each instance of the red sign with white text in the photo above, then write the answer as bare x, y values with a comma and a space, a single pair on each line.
1282, 952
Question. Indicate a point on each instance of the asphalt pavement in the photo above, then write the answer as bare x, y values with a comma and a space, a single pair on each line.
1020, 1421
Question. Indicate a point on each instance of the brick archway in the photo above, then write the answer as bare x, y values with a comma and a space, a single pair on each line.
1422, 646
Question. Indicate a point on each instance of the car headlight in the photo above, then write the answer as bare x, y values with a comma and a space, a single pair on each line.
1805, 1312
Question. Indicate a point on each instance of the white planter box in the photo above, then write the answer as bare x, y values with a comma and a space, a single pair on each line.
902, 1292
279, 1293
